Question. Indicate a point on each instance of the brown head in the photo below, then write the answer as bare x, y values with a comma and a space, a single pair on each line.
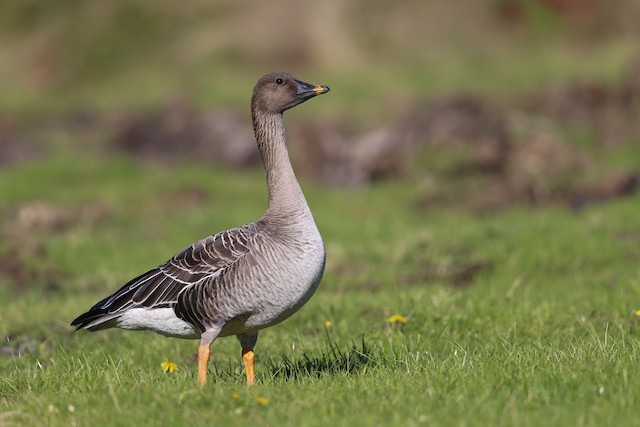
276, 92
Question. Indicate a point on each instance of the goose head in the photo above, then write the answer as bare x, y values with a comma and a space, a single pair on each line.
276, 92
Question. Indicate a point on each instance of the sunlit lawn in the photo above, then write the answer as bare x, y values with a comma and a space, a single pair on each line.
545, 333
525, 317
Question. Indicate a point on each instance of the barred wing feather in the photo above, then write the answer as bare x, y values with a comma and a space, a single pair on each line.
161, 286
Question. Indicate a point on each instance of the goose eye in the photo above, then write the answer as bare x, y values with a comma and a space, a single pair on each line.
279, 81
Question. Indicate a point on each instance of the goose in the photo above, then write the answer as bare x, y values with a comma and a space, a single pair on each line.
241, 280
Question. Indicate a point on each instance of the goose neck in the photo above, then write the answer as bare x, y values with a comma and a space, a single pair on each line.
285, 195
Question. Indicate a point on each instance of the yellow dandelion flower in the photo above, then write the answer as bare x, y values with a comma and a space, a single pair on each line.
396, 318
261, 400
327, 324
235, 395
169, 367
638, 313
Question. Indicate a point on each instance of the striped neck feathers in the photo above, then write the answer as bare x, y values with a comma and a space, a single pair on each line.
286, 200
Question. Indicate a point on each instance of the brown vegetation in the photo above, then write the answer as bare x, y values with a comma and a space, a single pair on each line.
480, 153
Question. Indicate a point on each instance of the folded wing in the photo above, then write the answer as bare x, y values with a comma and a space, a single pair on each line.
160, 287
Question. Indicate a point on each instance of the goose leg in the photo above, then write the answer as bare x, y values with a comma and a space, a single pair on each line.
204, 352
248, 357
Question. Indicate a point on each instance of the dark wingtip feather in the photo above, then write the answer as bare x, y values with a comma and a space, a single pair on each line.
107, 308
88, 320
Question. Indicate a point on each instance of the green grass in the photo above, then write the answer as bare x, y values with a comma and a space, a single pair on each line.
546, 334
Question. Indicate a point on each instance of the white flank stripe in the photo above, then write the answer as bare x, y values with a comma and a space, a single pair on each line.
161, 320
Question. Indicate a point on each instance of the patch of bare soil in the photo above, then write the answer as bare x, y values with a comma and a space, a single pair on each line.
499, 155
501, 158
22, 343
613, 187
331, 154
18, 345
40, 216
462, 123
457, 267
537, 170
459, 273
179, 131
612, 111
504, 155
24, 260
15, 148
192, 195
518, 156
27, 266
494, 155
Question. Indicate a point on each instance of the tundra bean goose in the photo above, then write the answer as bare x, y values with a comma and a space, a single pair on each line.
238, 281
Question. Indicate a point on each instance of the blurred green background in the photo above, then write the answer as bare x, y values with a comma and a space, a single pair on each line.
475, 168
72, 55
526, 100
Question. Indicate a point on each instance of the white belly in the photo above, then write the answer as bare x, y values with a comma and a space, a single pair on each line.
161, 320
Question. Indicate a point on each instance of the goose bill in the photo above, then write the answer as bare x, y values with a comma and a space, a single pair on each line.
307, 90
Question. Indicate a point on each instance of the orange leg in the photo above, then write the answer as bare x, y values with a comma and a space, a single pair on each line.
248, 358
203, 360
